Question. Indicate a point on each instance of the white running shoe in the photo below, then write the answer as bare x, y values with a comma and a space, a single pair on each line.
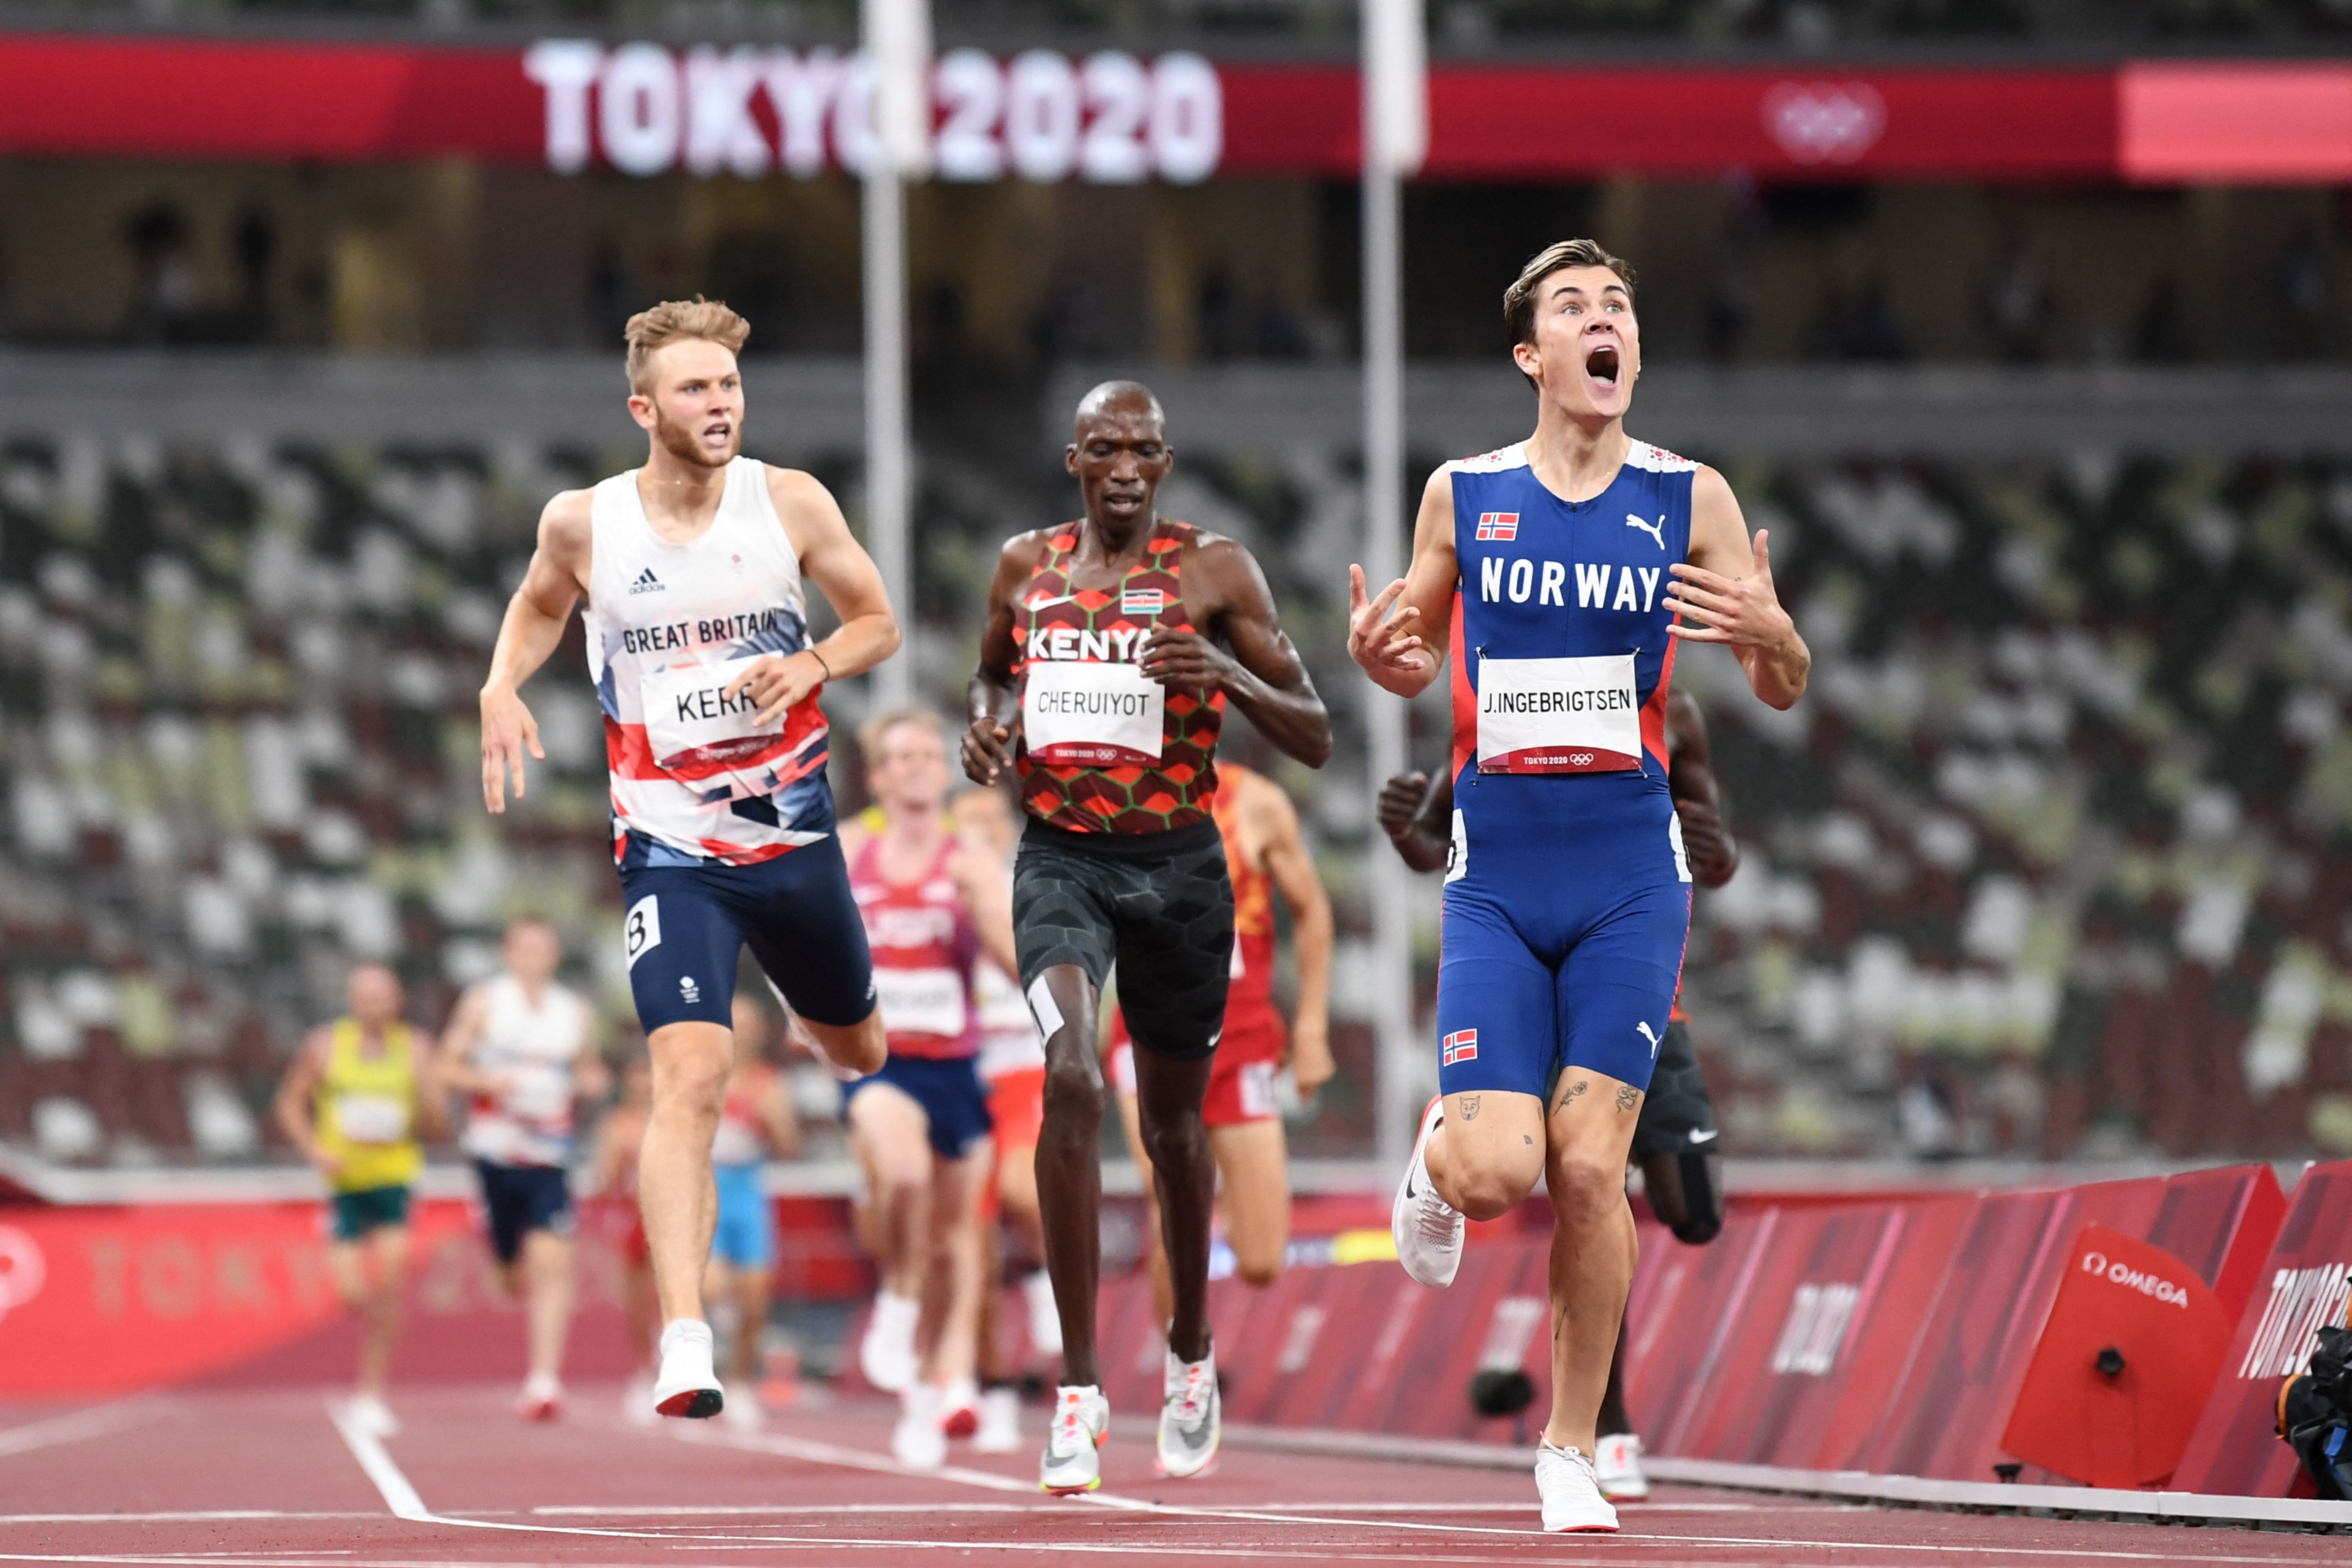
917, 1441
638, 1402
959, 1407
685, 1386
1044, 1317
1617, 1466
1190, 1418
373, 1416
743, 1410
886, 1355
1000, 1422
1428, 1229
541, 1398
1571, 1498
1073, 1462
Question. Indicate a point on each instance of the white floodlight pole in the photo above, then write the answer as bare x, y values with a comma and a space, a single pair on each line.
1396, 137
897, 37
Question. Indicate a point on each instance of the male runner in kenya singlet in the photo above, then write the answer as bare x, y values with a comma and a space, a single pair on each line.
1675, 1142
1558, 572
722, 822
1113, 645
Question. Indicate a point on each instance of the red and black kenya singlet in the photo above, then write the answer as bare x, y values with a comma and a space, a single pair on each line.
1106, 780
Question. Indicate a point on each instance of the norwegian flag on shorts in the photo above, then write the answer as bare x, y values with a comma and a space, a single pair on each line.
1461, 1046
1499, 525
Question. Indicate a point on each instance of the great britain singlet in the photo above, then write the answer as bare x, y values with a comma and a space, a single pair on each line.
694, 775
1561, 658
1104, 750
533, 1047
924, 946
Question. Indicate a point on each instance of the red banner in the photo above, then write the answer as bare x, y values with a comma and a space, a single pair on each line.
2306, 1282
648, 109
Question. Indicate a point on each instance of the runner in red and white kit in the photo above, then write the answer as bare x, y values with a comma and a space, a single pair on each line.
1265, 855
524, 1048
694, 567
1013, 1065
919, 1125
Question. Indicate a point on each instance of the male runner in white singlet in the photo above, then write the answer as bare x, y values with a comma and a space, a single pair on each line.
524, 1048
722, 822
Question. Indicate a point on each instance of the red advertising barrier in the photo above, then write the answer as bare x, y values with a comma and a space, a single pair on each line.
2305, 1283
647, 109
2124, 1365
110, 1301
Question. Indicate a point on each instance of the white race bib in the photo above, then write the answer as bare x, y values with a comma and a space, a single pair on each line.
920, 1001
371, 1117
690, 718
1080, 711
537, 1092
1558, 715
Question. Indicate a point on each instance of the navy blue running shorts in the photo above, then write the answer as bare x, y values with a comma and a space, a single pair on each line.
519, 1199
949, 1090
686, 921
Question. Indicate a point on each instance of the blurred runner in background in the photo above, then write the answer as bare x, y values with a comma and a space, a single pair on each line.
358, 1100
524, 1047
757, 1123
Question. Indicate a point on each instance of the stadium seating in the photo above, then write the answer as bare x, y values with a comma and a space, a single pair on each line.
2034, 870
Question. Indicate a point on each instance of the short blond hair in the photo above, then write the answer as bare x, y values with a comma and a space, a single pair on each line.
870, 734
678, 320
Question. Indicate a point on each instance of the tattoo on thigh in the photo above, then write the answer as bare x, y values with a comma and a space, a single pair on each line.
1627, 1097
1525, 1139
1573, 1090
1469, 1107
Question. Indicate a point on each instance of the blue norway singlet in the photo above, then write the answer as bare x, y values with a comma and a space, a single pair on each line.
1567, 897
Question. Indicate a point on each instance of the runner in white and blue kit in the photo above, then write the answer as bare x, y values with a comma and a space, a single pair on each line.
1562, 571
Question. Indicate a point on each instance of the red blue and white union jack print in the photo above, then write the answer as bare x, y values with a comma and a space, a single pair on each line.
1499, 525
1461, 1046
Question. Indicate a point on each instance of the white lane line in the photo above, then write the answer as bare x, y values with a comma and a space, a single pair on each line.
73, 1427
728, 1510
175, 1516
883, 1543
368, 1449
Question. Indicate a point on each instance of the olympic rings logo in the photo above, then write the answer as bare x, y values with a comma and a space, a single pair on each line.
1824, 123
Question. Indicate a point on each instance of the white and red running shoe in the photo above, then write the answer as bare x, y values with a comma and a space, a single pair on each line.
1190, 1419
1428, 1229
1571, 1498
1073, 1461
1617, 1466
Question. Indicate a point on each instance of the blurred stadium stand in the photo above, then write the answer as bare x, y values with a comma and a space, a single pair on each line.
2037, 871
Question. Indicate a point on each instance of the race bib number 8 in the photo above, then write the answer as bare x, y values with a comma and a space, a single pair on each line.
1090, 713
1558, 715
691, 719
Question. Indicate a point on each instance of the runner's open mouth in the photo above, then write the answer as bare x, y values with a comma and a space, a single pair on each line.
1601, 364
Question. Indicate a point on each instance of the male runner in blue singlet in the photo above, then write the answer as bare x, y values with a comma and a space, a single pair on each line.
1562, 569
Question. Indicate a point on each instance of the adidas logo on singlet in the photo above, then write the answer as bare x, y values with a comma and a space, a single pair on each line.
646, 583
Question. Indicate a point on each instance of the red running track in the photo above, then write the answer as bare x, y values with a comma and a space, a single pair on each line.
268, 1481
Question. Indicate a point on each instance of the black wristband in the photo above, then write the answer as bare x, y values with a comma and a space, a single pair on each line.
811, 651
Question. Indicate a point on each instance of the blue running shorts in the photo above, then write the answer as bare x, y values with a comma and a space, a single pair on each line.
949, 1090
686, 921
519, 1199
745, 1235
1560, 950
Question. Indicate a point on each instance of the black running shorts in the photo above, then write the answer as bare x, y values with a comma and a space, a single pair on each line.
1677, 1118
1156, 906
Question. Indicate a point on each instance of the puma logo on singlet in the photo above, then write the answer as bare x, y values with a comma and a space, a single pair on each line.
1656, 530
1644, 1027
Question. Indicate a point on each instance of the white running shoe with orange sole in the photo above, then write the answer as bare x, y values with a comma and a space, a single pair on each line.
1428, 1229
1617, 1465
1073, 1461
1571, 1496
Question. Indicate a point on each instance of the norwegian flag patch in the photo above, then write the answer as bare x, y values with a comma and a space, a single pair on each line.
1461, 1046
1499, 525
1141, 601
